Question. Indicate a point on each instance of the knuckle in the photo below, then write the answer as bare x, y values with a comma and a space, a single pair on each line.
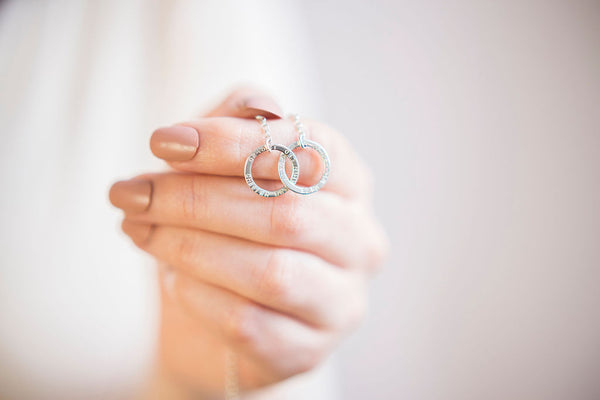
329, 137
241, 323
308, 359
287, 218
193, 206
297, 360
357, 312
186, 250
378, 250
376, 255
275, 282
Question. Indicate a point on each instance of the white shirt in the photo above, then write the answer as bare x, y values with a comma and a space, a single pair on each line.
82, 86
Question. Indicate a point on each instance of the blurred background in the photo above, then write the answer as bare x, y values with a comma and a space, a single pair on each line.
480, 120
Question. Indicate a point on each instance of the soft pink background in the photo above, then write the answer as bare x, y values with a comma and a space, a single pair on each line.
482, 122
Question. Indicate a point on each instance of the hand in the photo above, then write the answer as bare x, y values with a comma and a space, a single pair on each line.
279, 280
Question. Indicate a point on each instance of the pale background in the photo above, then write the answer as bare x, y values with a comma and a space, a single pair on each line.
481, 120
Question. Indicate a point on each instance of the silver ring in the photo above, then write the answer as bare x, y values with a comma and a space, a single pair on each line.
286, 152
291, 183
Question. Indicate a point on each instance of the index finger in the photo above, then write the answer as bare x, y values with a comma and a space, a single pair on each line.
220, 146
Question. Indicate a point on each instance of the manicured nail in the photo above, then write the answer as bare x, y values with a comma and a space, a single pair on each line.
175, 143
261, 105
138, 232
131, 196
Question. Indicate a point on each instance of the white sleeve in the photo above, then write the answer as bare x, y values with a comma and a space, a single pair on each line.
84, 84
210, 46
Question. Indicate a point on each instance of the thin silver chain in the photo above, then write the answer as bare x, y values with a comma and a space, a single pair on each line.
301, 130
232, 386
267, 130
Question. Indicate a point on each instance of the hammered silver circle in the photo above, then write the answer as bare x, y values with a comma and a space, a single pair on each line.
291, 184
286, 152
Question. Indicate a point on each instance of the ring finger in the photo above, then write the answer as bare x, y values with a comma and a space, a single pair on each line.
335, 230
289, 281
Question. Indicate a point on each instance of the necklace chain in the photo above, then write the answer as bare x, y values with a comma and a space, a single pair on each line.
301, 130
267, 130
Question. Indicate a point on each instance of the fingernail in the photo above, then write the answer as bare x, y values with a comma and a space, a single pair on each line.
138, 232
261, 105
131, 196
175, 143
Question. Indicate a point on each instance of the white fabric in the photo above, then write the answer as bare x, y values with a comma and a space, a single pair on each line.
82, 85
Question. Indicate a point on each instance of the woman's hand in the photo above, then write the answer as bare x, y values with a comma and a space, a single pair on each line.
279, 280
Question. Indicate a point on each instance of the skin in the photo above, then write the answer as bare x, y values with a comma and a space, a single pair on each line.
279, 280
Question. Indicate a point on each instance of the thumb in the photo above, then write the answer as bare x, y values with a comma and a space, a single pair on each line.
247, 102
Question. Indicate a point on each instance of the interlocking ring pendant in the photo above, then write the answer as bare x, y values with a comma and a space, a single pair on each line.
304, 143
286, 152
291, 183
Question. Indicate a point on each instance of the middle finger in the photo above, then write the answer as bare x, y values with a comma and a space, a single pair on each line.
326, 225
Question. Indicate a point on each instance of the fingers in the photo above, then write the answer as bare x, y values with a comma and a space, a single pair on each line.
291, 282
247, 102
336, 230
281, 345
220, 146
